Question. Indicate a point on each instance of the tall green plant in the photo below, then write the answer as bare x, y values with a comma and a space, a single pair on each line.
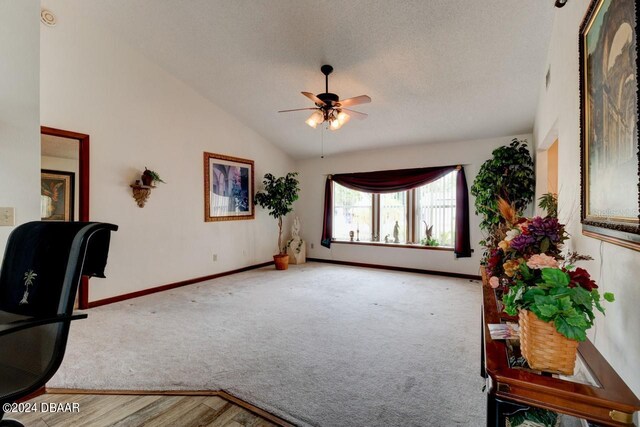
278, 197
509, 174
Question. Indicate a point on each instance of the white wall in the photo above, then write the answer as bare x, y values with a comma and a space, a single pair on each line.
19, 111
138, 115
471, 154
615, 268
66, 165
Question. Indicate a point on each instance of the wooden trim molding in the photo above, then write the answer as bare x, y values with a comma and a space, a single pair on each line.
39, 392
220, 393
394, 268
174, 285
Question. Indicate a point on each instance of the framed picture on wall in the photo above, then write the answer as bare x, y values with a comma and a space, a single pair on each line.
228, 188
610, 172
56, 195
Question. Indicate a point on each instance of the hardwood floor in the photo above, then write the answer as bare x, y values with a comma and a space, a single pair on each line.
215, 409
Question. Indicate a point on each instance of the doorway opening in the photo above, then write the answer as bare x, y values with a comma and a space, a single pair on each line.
65, 154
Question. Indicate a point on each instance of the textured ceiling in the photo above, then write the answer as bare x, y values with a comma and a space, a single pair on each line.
437, 70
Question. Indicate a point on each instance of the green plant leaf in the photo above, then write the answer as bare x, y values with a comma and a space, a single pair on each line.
565, 303
543, 300
577, 320
560, 292
581, 296
536, 310
525, 271
529, 295
555, 277
548, 310
572, 332
544, 245
508, 301
609, 297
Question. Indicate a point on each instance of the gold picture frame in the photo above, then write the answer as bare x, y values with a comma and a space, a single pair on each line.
228, 188
610, 166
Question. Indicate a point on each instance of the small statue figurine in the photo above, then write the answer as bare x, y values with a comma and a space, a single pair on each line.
296, 248
386, 238
428, 239
295, 229
428, 232
396, 233
358, 234
351, 235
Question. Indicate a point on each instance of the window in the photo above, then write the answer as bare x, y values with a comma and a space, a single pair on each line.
352, 211
436, 207
393, 209
375, 215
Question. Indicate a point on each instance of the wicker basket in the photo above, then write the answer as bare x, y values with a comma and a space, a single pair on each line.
544, 347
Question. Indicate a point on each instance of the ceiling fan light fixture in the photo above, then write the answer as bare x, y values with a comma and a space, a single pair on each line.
343, 117
328, 107
315, 118
334, 125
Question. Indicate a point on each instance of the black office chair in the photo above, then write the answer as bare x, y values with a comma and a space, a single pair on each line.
41, 271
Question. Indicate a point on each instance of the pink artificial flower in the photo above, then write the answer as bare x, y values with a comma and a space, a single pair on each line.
542, 261
494, 282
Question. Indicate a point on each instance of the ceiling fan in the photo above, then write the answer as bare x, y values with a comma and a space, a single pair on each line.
329, 108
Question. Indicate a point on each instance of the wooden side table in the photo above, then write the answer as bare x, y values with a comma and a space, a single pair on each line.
596, 393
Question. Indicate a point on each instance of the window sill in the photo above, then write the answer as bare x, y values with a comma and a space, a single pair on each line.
395, 245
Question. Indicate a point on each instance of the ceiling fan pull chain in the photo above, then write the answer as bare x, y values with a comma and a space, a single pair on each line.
322, 143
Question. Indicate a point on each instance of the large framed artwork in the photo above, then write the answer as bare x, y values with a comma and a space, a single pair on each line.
228, 188
56, 195
610, 170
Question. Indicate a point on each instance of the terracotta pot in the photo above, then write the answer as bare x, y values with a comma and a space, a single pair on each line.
282, 261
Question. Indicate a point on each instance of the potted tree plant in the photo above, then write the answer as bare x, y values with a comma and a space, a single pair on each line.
509, 176
278, 197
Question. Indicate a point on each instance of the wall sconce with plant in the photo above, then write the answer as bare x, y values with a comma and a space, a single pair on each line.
142, 187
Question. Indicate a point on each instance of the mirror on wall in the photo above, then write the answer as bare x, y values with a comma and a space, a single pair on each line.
59, 179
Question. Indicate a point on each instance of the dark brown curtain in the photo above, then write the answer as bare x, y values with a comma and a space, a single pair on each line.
394, 181
462, 247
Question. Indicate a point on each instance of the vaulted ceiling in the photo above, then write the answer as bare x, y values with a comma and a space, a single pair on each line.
437, 70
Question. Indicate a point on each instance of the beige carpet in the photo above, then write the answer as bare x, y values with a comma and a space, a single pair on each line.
319, 344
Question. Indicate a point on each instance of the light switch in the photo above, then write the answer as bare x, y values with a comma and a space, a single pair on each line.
7, 216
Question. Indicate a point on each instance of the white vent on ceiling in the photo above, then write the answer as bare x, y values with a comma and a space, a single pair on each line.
48, 18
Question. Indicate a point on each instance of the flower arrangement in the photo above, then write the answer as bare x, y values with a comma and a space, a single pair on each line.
528, 265
519, 239
555, 292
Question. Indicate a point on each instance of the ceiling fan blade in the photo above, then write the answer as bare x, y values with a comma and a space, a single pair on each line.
355, 114
296, 109
314, 98
356, 100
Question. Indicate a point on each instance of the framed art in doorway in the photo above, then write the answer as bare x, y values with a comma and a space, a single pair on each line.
56, 195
